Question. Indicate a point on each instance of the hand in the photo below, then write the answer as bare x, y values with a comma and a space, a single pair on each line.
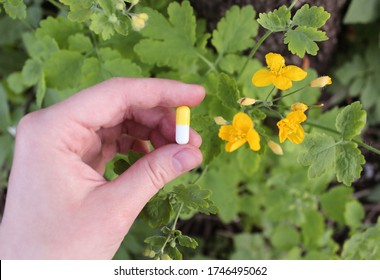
58, 205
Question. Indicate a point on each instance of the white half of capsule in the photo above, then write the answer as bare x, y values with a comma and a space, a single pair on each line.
182, 133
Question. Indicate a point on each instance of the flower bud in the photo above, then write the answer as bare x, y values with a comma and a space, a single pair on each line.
134, 2
138, 21
246, 101
166, 257
321, 82
276, 148
299, 107
220, 121
120, 5
113, 19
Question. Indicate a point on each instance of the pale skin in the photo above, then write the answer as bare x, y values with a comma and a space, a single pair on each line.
58, 204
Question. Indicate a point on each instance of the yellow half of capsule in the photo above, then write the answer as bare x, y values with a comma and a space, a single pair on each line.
182, 115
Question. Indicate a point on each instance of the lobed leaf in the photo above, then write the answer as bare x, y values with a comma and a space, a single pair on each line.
349, 161
319, 155
311, 16
277, 20
351, 120
235, 31
302, 40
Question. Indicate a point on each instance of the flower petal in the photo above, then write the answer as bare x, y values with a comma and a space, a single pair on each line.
293, 73
232, 146
242, 122
263, 78
275, 61
284, 130
225, 132
282, 83
299, 107
253, 139
297, 136
296, 117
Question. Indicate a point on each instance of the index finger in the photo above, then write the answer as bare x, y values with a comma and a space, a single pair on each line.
111, 102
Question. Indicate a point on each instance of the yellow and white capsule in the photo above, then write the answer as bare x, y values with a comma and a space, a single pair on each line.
182, 125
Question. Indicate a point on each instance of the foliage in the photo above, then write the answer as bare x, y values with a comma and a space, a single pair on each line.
287, 209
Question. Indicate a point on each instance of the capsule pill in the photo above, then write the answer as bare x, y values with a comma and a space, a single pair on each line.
182, 128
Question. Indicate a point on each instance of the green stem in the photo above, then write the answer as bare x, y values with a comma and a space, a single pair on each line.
201, 175
292, 5
286, 95
58, 5
254, 50
360, 143
266, 99
173, 227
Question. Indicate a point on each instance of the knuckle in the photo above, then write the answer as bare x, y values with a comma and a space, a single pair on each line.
157, 174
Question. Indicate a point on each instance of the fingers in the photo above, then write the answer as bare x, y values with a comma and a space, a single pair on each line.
133, 189
109, 103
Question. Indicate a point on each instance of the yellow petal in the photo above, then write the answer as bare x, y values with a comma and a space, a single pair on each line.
242, 122
232, 146
296, 117
293, 73
225, 132
283, 133
253, 139
263, 78
282, 83
275, 61
321, 81
297, 136
299, 107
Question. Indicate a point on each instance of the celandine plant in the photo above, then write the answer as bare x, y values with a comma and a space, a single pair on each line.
282, 192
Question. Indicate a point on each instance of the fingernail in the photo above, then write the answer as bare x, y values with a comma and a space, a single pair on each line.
186, 160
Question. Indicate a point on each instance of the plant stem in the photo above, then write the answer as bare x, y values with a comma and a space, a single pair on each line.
360, 143
172, 228
254, 50
266, 99
58, 5
200, 175
292, 5
290, 93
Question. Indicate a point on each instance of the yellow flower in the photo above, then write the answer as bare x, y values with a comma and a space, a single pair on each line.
279, 75
240, 132
139, 21
321, 81
290, 127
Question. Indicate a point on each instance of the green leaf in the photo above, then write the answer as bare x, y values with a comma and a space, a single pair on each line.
349, 161
80, 43
79, 10
362, 13
16, 9
15, 82
102, 26
319, 154
363, 245
63, 69
302, 40
39, 48
31, 72
334, 202
187, 241
351, 121
108, 6
277, 20
235, 31
59, 28
155, 241
228, 91
4, 111
175, 39
173, 253
207, 128
192, 197
40, 89
354, 214
284, 237
312, 17
158, 211
312, 229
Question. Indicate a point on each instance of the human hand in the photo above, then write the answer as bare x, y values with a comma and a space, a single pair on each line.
58, 205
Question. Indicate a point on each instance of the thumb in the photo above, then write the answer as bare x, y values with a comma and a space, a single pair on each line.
136, 186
